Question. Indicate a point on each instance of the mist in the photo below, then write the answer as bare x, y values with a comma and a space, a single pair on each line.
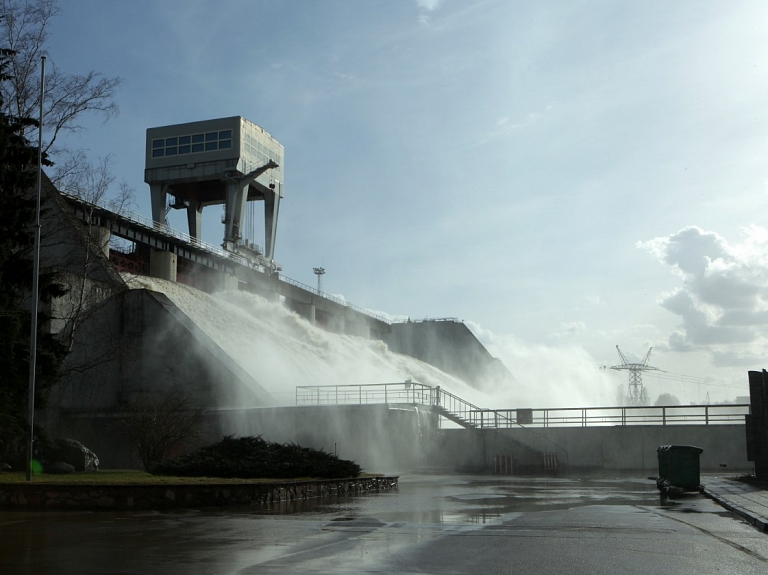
282, 350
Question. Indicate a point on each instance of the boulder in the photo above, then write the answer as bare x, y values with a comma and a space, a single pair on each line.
75, 454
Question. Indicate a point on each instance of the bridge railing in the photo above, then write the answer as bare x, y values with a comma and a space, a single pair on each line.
630, 415
411, 393
166, 230
120, 211
334, 299
418, 393
367, 393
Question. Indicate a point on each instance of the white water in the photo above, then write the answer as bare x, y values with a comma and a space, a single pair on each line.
281, 350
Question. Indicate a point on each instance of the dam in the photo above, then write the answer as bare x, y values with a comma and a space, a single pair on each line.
152, 309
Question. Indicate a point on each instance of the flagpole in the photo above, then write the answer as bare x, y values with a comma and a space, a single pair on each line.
35, 280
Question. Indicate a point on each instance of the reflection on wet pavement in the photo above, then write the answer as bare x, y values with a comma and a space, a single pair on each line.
441, 499
324, 535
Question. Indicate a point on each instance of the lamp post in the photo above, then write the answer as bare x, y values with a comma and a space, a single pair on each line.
319, 273
35, 280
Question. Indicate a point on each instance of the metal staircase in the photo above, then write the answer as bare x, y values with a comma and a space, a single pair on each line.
444, 403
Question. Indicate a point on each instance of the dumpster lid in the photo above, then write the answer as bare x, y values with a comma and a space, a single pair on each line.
690, 448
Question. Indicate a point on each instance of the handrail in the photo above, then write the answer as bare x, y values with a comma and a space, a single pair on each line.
411, 392
334, 299
120, 211
466, 409
429, 319
365, 393
547, 417
635, 415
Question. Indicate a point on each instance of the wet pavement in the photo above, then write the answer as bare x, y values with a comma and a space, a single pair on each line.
434, 524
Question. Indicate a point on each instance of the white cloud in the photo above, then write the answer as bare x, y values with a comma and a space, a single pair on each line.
723, 300
428, 5
425, 7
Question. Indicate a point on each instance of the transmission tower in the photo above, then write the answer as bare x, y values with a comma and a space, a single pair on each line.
636, 394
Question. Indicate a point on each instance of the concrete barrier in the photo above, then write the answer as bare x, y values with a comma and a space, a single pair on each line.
132, 497
619, 448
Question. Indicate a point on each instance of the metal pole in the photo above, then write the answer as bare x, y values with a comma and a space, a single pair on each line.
35, 280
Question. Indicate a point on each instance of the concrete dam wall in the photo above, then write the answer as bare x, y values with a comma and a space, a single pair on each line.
225, 352
609, 448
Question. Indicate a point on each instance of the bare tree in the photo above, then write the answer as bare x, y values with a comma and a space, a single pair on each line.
156, 424
24, 27
92, 181
82, 269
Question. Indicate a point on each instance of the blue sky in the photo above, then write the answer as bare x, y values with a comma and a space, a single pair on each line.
564, 176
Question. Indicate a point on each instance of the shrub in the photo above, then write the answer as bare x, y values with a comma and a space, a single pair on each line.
253, 457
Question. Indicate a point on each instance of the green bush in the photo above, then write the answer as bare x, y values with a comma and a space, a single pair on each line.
253, 457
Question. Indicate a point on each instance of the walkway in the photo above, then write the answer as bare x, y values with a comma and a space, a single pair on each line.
745, 500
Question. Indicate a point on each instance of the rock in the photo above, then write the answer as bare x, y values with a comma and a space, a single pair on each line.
76, 454
59, 467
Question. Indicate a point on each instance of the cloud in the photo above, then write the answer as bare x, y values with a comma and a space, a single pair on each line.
425, 7
723, 299
428, 5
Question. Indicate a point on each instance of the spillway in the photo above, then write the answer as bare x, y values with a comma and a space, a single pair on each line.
281, 350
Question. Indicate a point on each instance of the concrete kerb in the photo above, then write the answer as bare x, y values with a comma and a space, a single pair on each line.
730, 494
132, 497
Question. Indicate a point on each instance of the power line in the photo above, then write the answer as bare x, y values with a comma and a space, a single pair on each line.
661, 374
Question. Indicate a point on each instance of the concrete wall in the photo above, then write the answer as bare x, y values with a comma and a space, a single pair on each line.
190, 496
450, 346
596, 448
163, 265
135, 342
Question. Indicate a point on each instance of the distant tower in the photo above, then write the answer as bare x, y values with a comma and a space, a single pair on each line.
228, 161
636, 394
319, 273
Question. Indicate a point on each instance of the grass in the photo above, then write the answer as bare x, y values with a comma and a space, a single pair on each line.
134, 477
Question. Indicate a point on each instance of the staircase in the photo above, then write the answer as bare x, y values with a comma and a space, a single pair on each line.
468, 415
453, 408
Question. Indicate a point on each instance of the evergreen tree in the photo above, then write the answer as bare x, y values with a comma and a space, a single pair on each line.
18, 177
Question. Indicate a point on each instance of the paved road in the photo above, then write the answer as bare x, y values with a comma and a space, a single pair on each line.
435, 524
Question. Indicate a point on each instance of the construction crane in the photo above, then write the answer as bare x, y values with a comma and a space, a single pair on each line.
636, 393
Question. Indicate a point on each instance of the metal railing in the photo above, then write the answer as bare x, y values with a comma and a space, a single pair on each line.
366, 393
164, 229
482, 418
334, 299
448, 405
631, 415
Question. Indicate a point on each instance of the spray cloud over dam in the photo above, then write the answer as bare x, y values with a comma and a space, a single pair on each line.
281, 350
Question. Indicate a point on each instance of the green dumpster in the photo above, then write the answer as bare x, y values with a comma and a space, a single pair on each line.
679, 466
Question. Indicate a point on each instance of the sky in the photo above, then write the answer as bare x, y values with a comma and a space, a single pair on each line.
564, 176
